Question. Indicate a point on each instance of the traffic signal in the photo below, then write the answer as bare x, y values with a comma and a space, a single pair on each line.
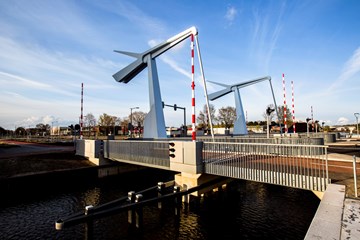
171, 149
163, 104
175, 107
269, 110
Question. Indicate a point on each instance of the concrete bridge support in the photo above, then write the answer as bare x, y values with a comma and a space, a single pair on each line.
186, 158
92, 150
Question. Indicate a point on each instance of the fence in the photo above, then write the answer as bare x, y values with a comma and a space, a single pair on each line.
299, 166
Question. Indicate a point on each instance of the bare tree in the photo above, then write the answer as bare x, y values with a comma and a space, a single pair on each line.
89, 122
227, 116
203, 116
137, 117
107, 121
288, 115
43, 128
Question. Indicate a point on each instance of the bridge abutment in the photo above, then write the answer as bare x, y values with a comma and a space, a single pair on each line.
92, 150
187, 160
188, 180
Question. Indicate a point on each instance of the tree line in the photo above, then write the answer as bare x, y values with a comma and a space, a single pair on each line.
226, 117
109, 124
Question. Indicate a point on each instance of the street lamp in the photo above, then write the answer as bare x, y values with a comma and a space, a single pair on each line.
131, 116
307, 126
357, 123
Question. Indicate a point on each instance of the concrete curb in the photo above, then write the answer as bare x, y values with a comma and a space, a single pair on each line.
327, 221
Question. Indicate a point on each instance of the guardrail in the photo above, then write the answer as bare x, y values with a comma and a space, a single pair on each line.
251, 139
147, 153
299, 166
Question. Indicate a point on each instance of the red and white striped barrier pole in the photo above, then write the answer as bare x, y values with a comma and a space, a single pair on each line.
81, 116
293, 106
193, 119
283, 78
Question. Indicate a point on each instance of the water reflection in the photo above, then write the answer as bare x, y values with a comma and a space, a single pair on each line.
91, 197
244, 210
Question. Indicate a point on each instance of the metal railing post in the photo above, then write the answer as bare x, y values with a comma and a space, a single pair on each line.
131, 212
139, 212
355, 177
326, 168
89, 225
177, 201
160, 189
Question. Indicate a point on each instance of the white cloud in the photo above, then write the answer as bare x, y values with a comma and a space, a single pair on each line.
33, 121
174, 65
342, 121
266, 31
351, 67
230, 14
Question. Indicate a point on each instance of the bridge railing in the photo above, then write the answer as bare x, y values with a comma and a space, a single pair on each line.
299, 166
251, 139
147, 153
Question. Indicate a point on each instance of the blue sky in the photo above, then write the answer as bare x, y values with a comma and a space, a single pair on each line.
48, 48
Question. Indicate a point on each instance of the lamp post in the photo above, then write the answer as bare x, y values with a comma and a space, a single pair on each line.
131, 117
307, 126
357, 123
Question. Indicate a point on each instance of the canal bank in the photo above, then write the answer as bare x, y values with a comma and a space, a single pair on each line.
31, 167
58, 176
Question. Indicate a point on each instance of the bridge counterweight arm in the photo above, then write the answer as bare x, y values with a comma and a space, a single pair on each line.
129, 72
231, 88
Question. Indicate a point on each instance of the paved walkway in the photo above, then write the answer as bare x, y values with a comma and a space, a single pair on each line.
337, 217
351, 220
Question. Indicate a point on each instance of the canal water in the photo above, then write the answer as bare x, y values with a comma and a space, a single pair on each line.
245, 210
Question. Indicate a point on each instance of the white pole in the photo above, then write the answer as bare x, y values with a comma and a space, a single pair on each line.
267, 129
355, 178
81, 116
204, 83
